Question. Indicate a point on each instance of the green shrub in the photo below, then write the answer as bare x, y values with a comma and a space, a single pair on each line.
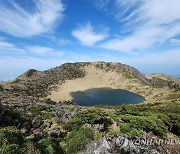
77, 140
175, 121
148, 124
13, 114
114, 132
73, 124
90, 116
11, 141
156, 117
37, 112
38, 109
10, 135
49, 146
31, 148
128, 129
10, 149
99, 135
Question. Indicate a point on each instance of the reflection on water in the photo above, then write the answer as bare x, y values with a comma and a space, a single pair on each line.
105, 96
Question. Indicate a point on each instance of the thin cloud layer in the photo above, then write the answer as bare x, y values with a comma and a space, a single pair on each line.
156, 22
100, 4
41, 50
87, 36
17, 21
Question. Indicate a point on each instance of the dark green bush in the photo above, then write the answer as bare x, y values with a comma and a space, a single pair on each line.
128, 129
77, 140
11, 141
49, 146
10, 135
13, 114
11, 149
31, 148
175, 122
38, 109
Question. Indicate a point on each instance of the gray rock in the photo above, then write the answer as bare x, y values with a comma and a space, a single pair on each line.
54, 133
37, 123
112, 144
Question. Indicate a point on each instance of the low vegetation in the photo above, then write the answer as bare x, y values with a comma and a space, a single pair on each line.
158, 118
90, 123
88, 116
41, 112
78, 139
12, 141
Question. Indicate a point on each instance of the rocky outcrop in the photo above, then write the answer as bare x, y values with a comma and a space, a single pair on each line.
174, 85
113, 144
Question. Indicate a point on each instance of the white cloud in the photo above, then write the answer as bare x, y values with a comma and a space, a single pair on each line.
17, 21
156, 22
125, 6
100, 4
9, 47
87, 36
40, 50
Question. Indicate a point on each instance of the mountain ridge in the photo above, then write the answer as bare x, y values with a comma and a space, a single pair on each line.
36, 85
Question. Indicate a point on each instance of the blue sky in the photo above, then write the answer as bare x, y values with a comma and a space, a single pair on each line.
42, 34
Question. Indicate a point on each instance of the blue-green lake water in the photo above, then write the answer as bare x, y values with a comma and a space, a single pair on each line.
105, 96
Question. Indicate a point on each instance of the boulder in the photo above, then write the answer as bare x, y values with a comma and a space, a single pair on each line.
117, 144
